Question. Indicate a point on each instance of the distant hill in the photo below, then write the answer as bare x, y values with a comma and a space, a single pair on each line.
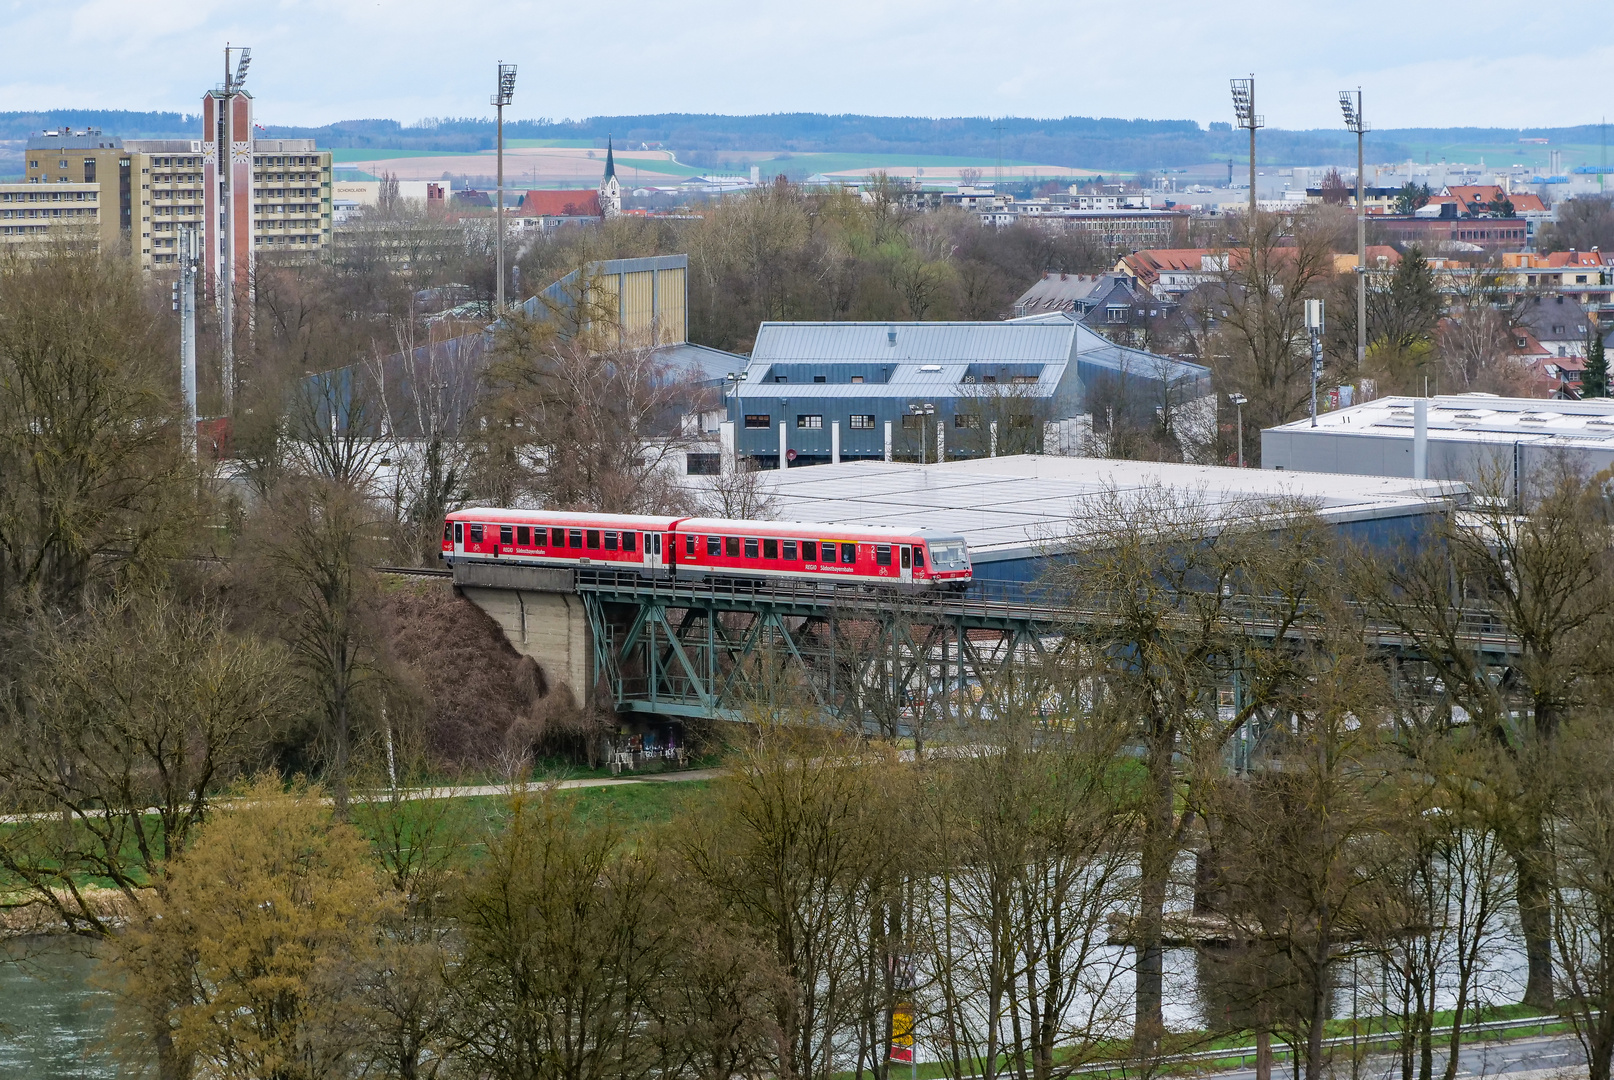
1082, 142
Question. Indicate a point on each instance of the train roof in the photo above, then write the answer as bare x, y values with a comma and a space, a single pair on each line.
520, 516
809, 529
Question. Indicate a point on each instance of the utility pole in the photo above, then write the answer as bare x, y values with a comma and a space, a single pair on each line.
190, 251
507, 89
1239, 401
1354, 121
1244, 109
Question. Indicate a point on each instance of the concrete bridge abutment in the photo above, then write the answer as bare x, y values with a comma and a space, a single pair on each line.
541, 616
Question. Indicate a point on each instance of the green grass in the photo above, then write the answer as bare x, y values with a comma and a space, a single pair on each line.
381, 154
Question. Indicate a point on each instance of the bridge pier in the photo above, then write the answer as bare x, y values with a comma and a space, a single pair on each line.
541, 615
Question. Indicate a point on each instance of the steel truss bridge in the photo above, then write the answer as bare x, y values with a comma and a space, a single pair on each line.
716, 649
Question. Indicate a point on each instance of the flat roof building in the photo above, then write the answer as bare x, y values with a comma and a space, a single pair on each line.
1013, 510
37, 214
1471, 438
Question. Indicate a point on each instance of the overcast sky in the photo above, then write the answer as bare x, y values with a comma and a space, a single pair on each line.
315, 61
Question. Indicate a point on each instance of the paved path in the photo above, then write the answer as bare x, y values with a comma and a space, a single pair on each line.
474, 791
1541, 1057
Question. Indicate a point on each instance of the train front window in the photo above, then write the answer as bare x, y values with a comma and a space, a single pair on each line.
507, 534
948, 556
731, 547
630, 541
557, 537
594, 539
790, 550
476, 534
750, 547
610, 539
809, 551
574, 538
770, 549
524, 535
848, 553
714, 545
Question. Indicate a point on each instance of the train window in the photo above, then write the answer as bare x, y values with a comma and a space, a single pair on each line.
809, 550
689, 545
770, 549
448, 533
905, 557
610, 539
507, 535
790, 549
594, 539
657, 539
829, 551
630, 541
849, 553
476, 534
459, 532
524, 535
882, 554
750, 547
714, 545
731, 546
574, 538
919, 557
557, 537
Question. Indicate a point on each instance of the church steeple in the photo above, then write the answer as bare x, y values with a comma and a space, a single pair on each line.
610, 187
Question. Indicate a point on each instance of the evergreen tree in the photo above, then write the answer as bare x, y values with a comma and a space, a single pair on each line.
1594, 382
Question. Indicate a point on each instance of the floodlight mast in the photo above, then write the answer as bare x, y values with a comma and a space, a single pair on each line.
1354, 121
507, 90
1244, 109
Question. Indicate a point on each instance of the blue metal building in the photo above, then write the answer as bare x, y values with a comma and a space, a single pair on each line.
862, 376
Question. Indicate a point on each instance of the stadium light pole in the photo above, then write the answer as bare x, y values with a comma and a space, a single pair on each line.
1244, 109
507, 90
1239, 401
1355, 122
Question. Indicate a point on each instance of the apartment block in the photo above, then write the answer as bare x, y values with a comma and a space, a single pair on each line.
147, 189
36, 213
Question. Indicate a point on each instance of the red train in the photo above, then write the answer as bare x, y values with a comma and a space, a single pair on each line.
699, 548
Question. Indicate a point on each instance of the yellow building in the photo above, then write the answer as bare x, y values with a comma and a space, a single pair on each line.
39, 213
151, 187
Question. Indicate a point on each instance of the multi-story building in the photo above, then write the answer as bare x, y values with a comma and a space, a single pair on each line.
146, 189
36, 213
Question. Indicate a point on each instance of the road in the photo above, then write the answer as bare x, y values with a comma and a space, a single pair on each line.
1545, 1057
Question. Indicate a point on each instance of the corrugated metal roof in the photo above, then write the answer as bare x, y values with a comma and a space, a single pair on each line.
1011, 507
916, 342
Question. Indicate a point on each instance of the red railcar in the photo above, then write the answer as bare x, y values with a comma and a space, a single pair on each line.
710, 547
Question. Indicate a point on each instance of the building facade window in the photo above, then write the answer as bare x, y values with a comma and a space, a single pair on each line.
862, 422
810, 421
758, 420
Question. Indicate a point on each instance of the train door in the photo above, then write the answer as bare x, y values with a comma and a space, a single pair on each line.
905, 571
651, 554
459, 539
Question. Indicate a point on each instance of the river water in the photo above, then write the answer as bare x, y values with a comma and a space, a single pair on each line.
53, 1018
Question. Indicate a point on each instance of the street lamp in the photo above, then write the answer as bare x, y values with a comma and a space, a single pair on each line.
1239, 401
507, 90
1354, 121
